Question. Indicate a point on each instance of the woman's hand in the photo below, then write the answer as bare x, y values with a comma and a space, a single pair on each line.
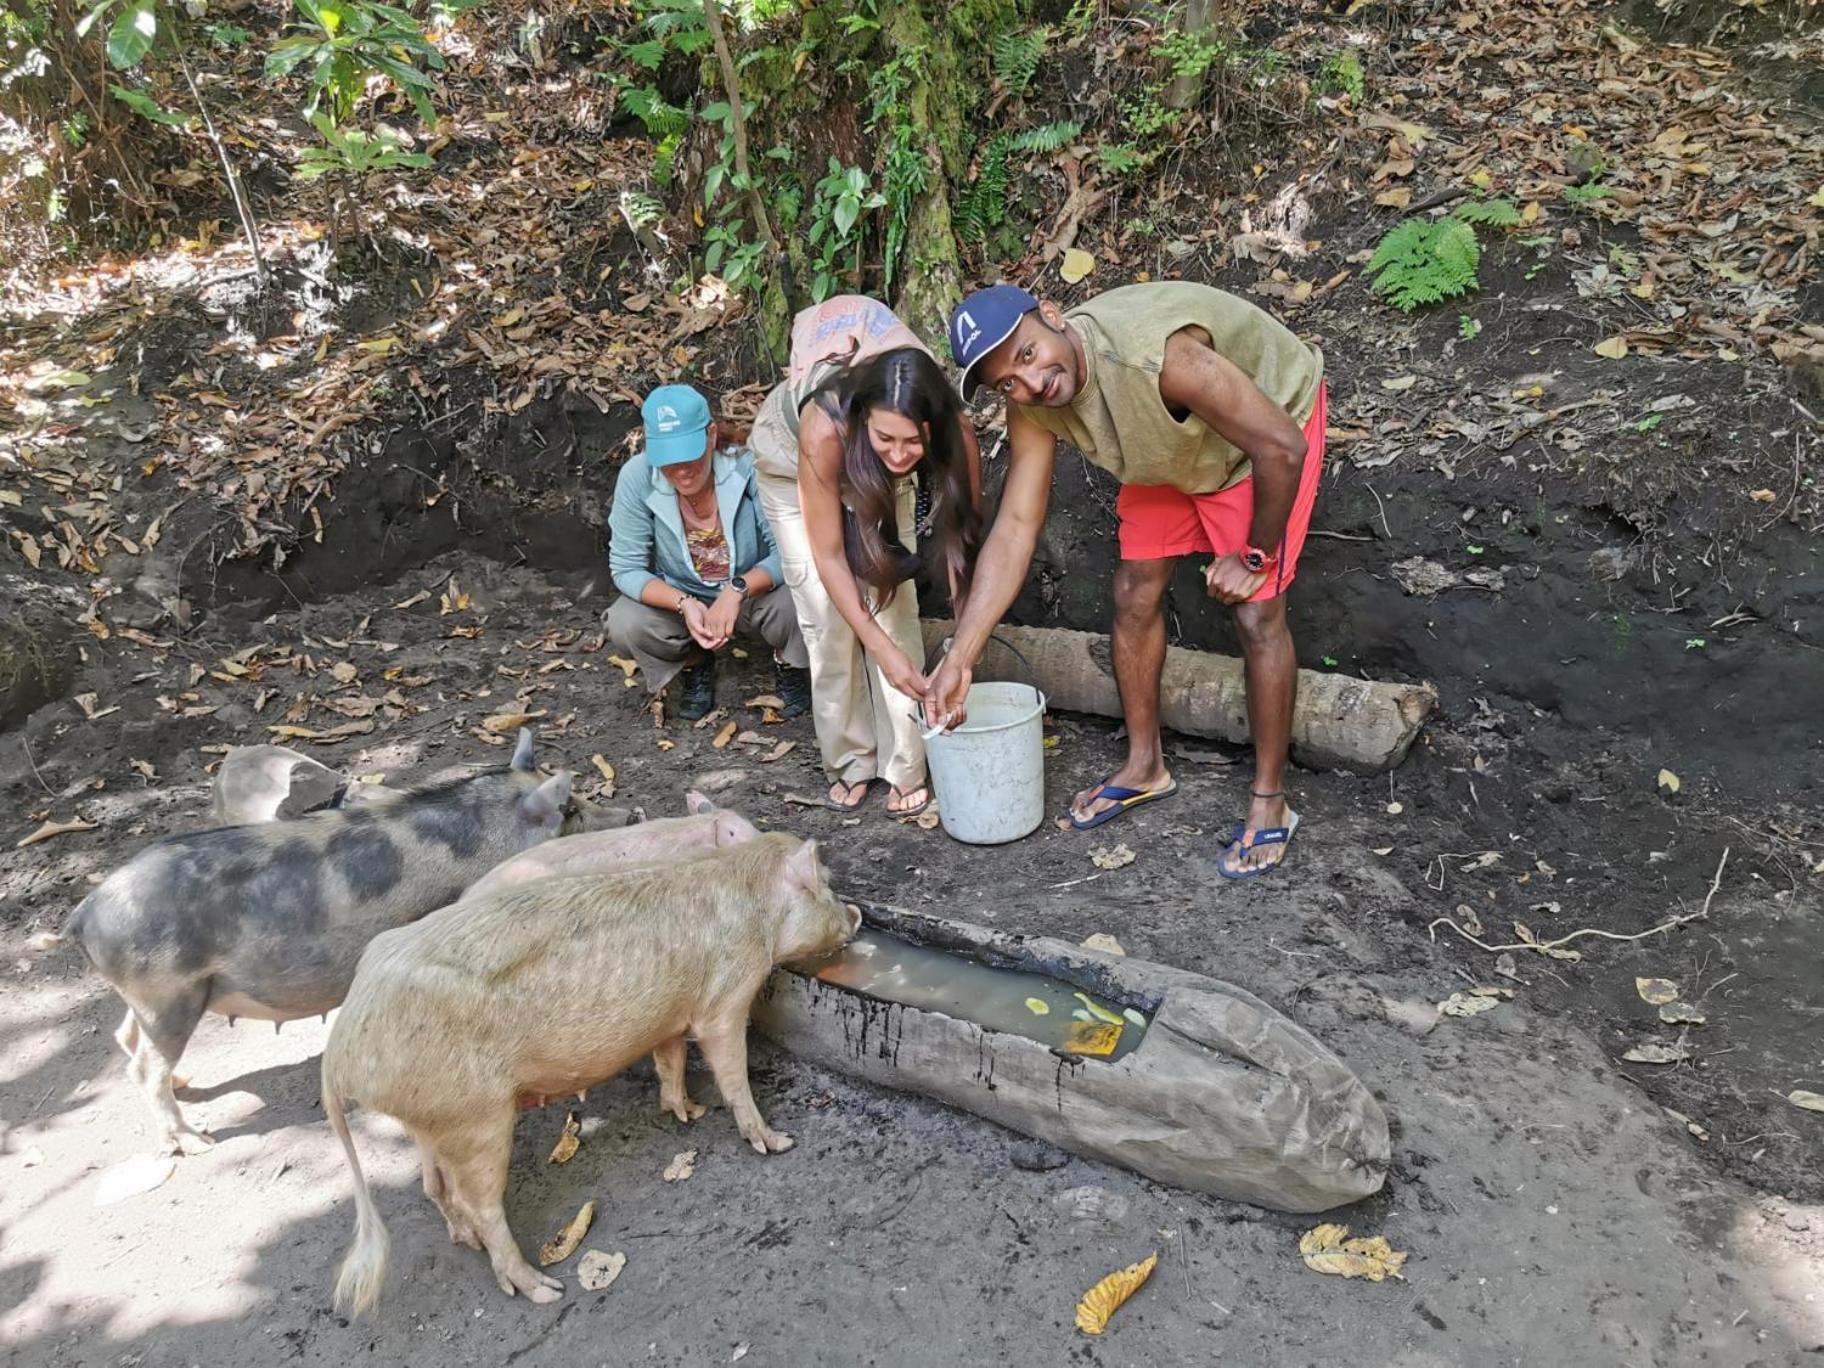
723, 614
898, 669
696, 621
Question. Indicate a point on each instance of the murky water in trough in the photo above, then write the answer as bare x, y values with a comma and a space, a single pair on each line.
1054, 1013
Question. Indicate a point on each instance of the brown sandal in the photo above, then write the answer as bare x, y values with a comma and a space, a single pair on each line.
865, 785
895, 791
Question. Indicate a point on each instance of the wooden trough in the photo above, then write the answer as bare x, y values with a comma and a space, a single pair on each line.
1223, 1094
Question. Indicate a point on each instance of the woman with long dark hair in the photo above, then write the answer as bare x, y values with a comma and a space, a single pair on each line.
868, 472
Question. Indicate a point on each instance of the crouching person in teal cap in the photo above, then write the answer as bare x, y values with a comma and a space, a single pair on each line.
694, 559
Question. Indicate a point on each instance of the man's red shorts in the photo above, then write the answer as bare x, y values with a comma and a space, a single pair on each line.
1158, 521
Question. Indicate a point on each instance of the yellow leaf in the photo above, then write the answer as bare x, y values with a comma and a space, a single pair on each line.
1530, 214
1091, 1038
1076, 265
1327, 1249
1810, 1101
1397, 198
607, 774
1763, 495
724, 736
1481, 178
504, 724
626, 667
1668, 781
509, 318
1612, 347
564, 1245
1817, 198
1108, 1296
380, 346
569, 1142
1656, 990
1038, 1006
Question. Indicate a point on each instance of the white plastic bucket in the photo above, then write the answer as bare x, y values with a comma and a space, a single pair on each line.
989, 774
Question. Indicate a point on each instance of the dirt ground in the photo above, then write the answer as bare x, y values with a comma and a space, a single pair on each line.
1555, 1209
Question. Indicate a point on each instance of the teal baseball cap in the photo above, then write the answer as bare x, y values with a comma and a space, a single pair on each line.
676, 417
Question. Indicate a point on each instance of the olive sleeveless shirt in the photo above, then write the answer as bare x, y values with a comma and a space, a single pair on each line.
1118, 419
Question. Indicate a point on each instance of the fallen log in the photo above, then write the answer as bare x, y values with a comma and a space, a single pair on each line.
1222, 1095
1340, 722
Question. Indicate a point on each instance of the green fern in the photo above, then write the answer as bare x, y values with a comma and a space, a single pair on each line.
983, 207
1048, 138
662, 120
1425, 261
1495, 213
1016, 58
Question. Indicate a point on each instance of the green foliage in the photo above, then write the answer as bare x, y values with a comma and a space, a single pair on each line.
642, 210
840, 199
1146, 115
147, 107
1048, 138
1423, 261
1081, 19
904, 165
662, 120
1468, 328
1190, 55
1123, 159
983, 205
1587, 193
345, 43
1495, 213
1343, 75
1016, 58
352, 152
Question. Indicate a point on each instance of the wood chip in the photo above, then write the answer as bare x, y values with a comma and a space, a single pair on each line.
50, 829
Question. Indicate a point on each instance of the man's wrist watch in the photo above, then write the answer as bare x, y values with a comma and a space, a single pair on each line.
1257, 560
739, 585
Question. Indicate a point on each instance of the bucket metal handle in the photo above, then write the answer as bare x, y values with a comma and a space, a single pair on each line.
1031, 681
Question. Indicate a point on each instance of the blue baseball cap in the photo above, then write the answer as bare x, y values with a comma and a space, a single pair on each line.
981, 323
676, 417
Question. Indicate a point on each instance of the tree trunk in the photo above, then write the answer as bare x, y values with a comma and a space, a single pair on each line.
1197, 18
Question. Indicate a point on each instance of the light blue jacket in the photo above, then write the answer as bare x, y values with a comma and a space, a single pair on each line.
646, 530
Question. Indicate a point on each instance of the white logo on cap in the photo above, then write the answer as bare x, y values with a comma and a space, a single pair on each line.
668, 415
967, 320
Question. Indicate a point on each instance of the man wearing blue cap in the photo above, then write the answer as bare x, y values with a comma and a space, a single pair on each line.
694, 559
1211, 414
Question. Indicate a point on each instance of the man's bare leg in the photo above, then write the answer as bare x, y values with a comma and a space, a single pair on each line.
1271, 667
1138, 642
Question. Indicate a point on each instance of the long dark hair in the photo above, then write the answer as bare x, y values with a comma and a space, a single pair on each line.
908, 382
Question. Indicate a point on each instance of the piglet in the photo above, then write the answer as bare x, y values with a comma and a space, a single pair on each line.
269, 920
708, 828
547, 989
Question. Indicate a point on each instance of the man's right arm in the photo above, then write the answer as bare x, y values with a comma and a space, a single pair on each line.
1006, 557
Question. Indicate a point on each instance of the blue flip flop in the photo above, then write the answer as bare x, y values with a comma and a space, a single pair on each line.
1125, 799
1264, 836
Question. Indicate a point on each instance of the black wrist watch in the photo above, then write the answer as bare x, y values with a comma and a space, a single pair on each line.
739, 585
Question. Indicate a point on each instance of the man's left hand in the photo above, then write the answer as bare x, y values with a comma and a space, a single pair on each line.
1229, 581
723, 614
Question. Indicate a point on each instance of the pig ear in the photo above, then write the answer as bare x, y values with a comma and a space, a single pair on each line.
522, 753
801, 867
696, 804
545, 805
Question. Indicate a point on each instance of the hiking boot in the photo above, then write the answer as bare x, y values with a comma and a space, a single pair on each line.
697, 689
793, 687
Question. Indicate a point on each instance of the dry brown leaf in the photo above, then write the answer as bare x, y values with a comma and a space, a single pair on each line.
1657, 1053
1809, 1101
1104, 942
1108, 1296
1682, 1014
1612, 347
569, 1142
144, 769
88, 701
567, 1239
779, 752
50, 829
1467, 1004
626, 666
724, 736
1763, 495
1103, 857
505, 724
764, 701
1397, 198
1402, 382
596, 1270
343, 672
607, 771
1328, 1249
1656, 990
680, 1167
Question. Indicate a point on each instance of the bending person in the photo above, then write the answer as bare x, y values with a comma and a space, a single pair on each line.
694, 560
868, 468
1211, 414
